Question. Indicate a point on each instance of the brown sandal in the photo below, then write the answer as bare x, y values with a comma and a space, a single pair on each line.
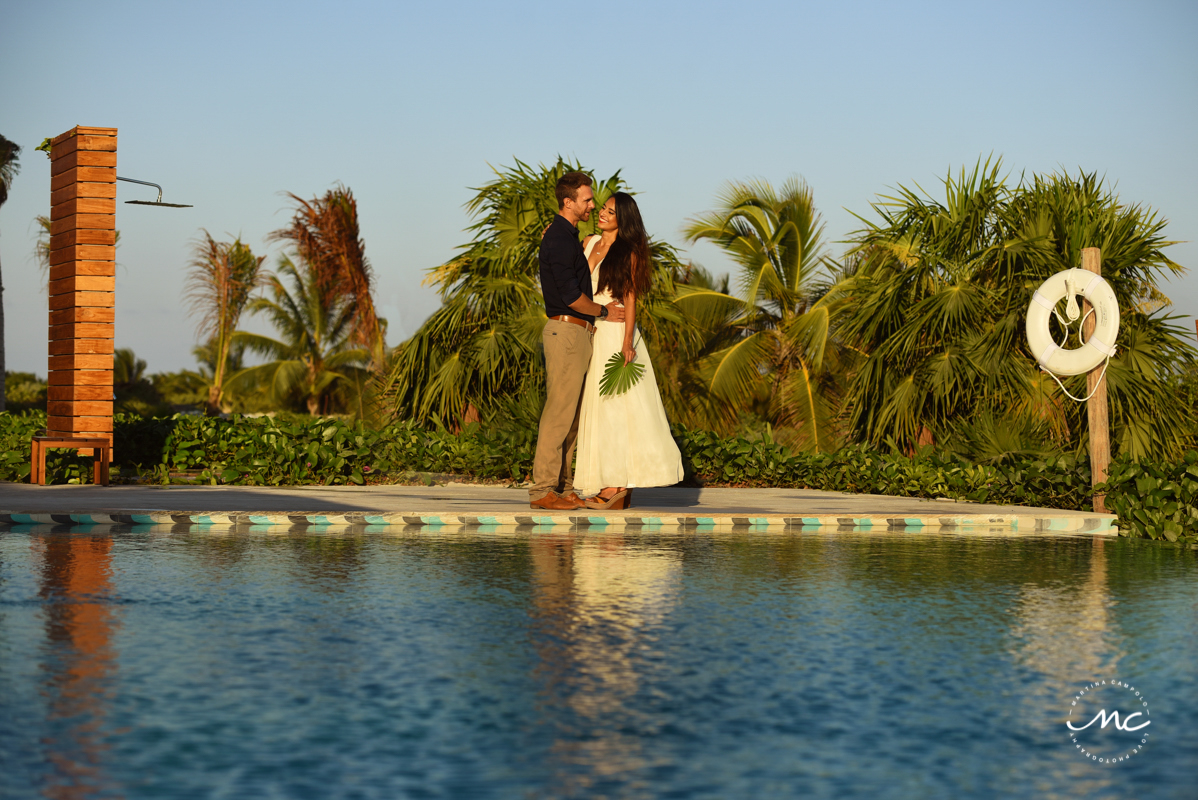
617, 502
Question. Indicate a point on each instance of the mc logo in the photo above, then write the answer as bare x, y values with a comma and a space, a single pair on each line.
1124, 739
1125, 725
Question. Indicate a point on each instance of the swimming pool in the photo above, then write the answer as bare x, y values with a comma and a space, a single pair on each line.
185, 662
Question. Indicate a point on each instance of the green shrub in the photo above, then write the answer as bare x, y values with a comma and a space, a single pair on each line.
1156, 500
16, 435
24, 392
265, 451
1055, 482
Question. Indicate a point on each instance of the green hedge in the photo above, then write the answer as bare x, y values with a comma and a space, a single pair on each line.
1155, 500
16, 433
1060, 482
277, 452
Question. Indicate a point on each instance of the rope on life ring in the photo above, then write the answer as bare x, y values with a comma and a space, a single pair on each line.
1053, 357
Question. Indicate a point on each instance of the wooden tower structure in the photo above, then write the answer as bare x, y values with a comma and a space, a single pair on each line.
82, 296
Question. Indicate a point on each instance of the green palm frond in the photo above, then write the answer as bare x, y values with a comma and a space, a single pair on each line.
619, 377
737, 371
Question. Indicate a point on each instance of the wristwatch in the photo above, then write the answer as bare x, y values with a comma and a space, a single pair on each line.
602, 312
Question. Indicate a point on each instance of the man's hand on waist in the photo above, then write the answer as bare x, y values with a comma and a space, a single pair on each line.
585, 305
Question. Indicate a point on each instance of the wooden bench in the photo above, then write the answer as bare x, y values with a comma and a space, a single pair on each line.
101, 450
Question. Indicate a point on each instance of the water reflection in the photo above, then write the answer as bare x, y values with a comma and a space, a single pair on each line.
78, 662
1064, 630
598, 602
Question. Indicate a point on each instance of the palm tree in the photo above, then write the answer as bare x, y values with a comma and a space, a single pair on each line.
686, 345
314, 360
10, 165
219, 283
324, 234
936, 299
768, 351
478, 354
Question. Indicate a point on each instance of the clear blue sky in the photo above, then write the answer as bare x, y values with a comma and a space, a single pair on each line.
229, 104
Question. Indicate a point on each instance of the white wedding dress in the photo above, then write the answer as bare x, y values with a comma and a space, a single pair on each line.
623, 440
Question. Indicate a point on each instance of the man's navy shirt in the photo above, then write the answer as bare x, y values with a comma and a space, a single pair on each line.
565, 274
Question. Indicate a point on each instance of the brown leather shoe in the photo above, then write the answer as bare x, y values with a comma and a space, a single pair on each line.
552, 502
575, 499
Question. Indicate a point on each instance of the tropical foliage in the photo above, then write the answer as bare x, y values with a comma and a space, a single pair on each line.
314, 362
1155, 500
935, 296
10, 165
25, 392
771, 347
219, 284
324, 235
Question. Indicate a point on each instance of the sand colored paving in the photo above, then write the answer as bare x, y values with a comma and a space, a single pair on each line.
473, 505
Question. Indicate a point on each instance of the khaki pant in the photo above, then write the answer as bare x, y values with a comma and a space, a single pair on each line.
567, 356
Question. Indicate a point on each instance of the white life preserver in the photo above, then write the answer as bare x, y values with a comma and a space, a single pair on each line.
1100, 345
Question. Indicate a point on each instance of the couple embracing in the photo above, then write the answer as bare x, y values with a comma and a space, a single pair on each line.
591, 292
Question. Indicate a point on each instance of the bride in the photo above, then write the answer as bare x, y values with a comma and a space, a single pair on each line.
623, 440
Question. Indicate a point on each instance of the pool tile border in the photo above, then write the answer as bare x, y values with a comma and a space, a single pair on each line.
965, 523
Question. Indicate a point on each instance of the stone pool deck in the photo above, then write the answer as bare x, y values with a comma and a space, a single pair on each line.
467, 505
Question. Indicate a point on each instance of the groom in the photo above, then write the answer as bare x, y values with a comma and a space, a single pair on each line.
566, 286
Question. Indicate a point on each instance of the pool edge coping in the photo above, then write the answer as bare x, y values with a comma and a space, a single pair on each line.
1066, 522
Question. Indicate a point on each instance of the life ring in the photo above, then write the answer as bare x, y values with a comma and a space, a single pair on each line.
1100, 345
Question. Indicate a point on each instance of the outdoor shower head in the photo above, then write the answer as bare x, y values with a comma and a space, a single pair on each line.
157, 202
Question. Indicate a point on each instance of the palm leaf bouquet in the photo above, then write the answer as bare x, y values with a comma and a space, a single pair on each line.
619, 377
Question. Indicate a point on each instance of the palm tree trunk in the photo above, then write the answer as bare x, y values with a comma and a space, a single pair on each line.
3, 365
214, 400
218, 374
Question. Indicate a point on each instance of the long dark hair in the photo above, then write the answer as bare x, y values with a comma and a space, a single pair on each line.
627, 268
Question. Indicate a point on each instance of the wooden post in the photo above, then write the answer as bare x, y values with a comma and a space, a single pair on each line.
1097, 406
82, 283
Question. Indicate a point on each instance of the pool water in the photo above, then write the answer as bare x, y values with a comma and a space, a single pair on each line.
181, 662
